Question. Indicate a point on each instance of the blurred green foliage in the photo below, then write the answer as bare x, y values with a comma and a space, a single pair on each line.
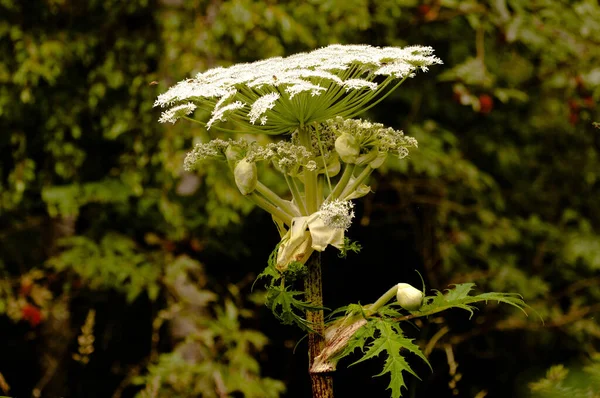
503, 190
563, 382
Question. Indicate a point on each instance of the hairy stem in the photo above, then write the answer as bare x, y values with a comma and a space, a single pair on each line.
322, 383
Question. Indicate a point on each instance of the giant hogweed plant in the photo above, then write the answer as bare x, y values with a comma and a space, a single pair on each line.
326, 157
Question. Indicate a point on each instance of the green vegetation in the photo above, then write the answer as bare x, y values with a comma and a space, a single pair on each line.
502, 191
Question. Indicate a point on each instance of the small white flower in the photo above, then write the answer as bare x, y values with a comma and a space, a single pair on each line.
356, 84
337, 214
219, 113
261, 105
302, 86
225, 97
171, 115
214, 149
311, 165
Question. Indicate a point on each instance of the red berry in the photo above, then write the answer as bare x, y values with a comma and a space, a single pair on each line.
486, 103
573, 117
573, 105
31, 314
424, 9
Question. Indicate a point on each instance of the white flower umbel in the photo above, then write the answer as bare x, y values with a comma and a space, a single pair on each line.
282, 94
262, 105
218, 114
337, 214
172, 114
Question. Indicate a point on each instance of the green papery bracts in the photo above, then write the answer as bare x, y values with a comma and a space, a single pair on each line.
367, 158
379, 160
333, 167
246, 176
347, 147
233, 154
359, 192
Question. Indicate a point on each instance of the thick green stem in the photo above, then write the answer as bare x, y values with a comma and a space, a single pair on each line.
275, 199
310, 176
269, 208
322, 383
362, 177
291, 182
381, 301
339, 188
320, 195
322, 152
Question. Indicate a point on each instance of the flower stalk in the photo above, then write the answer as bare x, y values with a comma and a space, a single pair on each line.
312, 97
310, 176
342, 183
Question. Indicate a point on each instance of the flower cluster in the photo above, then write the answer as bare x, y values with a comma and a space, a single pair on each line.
286, 156
171, 115
214, 149
277, 95
361, 142
337, 214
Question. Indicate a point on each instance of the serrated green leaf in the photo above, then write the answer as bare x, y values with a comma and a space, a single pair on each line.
284, 305
458, 297
391, 340
395, 365
459, 291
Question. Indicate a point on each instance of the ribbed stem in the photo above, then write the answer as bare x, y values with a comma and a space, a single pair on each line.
322, 383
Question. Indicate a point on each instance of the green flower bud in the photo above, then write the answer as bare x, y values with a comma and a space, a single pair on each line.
347, 147
409, 298
379, 160
246, 176
233, 155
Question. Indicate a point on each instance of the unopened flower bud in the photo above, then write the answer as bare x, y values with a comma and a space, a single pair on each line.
347, 147
246, 176
409, 298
